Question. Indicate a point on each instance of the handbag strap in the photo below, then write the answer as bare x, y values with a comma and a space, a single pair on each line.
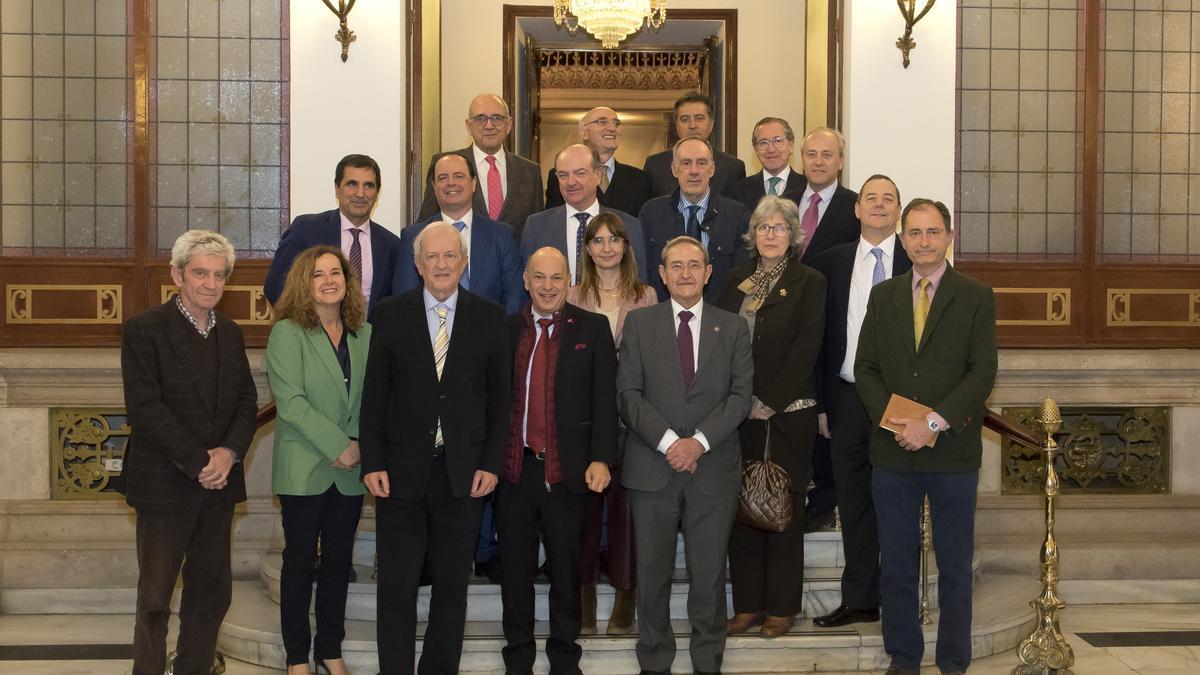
767, 443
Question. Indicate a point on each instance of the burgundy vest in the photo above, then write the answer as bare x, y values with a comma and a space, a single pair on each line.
521, 363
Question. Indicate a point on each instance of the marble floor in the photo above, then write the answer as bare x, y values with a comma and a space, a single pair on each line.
1184, 658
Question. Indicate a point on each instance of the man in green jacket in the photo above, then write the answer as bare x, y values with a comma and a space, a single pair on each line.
929, 336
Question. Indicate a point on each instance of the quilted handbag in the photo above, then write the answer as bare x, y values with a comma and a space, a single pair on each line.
766, 501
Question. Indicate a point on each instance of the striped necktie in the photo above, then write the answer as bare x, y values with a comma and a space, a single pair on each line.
441, 345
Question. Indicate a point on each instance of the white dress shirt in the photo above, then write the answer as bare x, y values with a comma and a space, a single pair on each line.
537, 337
860, 292
482, 167
572, 225
694, 323
783, 176
826, 195
364, 240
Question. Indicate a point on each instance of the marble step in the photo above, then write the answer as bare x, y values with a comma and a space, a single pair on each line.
822, 593
1002, 618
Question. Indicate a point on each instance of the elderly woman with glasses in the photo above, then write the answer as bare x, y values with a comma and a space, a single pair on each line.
609, 286
783, 302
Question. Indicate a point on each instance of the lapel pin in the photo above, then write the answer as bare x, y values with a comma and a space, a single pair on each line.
783, 292
716, 329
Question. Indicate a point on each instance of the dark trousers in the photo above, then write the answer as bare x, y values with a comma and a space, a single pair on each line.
851, 430
486, 547
197, 541
444, 525
621, 557
766, 569
523, 511
898, 499
331, 517
822, 497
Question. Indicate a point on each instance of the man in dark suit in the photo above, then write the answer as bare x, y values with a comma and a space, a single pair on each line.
371, 248
622, 187
562, 227
773, 141
511, 186
434, 423
563, 437
851, 271
698, 211
191, 403
683, 459
493, 267
827, 218
947, 362
694, 117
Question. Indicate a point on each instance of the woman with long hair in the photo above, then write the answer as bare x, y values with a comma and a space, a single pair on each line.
316, 361
609, 285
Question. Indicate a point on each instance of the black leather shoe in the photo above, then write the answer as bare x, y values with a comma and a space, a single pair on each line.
844, 616
815, 521
655, 672
489, 569
897, 670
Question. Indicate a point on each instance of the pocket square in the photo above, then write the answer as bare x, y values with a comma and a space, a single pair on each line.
580, 346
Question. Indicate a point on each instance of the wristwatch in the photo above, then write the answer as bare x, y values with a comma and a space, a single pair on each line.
933, 425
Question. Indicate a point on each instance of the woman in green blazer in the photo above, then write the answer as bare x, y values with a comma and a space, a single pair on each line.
316, 360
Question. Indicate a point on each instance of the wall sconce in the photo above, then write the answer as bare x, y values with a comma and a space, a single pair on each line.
908, 9
344, 34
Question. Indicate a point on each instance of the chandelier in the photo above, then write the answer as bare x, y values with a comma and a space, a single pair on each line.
610, 21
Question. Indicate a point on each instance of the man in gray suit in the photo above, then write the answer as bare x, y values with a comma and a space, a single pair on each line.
510, 186
683, 460
578, 168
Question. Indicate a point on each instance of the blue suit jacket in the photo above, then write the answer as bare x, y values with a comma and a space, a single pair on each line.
495, 267
549, 228
312, 229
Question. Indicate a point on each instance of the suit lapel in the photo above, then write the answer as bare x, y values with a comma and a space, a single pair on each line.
358, 365
941, 299
318, 340
708, 336
666, 337
331, 234
458, 336
378, 261
419, 326
903, 301
789, 277
900, 260
187, 357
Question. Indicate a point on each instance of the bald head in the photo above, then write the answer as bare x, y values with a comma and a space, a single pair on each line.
488, 122
547, 276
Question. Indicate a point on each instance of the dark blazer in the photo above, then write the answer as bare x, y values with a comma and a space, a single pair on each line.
549, 228
651, 397
751, 189
494, 264
730, 171
787, 340
403, 398
312, 229
524, 195
837, 265
952, 371
629, 188
173, 418
839, 224
725, 220
585, 377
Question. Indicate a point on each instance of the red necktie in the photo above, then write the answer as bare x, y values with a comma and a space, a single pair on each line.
687, 357
535, 396
495, 190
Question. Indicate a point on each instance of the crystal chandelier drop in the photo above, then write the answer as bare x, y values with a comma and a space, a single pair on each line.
610, 21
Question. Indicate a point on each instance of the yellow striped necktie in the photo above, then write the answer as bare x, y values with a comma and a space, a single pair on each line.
441, 345
921, 311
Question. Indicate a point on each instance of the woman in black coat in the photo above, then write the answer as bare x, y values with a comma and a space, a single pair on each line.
783, 301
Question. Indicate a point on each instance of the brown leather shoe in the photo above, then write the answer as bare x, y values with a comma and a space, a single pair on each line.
742, 622
587, 609
621, 621
775, 626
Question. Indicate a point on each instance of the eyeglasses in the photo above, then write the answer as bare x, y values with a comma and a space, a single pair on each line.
482, 120
612, 240
778, 230
605, 122
764, 143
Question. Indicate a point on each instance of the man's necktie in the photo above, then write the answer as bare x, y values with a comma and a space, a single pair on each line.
774, 181
356, 253
495, 189
582, 217
441, 345
921, 310
693, 221
466, 277
687, 357
878, 274
535, 398
604, 178
811, 217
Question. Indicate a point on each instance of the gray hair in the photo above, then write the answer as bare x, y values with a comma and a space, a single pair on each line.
437, 226
787, 128
827, 130
768, 206
201, 242
584, 116
683, 240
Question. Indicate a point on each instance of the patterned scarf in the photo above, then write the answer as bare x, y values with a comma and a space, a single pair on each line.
759, 284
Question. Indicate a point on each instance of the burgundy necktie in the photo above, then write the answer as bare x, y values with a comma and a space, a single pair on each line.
356, 254
811, 217
535, 397
495, 189
687, 357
